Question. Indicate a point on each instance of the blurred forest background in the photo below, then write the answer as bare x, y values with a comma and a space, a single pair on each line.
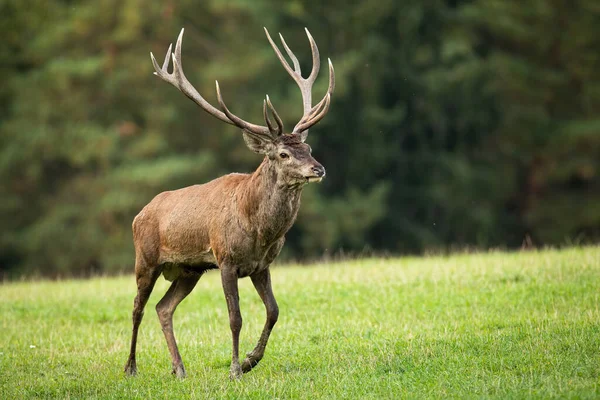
454, 124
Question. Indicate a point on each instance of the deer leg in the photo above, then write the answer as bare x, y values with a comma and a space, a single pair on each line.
146, 277
180, 288
262, 283
229, 280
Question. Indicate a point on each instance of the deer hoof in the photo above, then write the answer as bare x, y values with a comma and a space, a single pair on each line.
235, 372
248, 364
179, 371
131, 369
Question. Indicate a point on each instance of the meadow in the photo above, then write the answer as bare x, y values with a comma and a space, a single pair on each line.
488, 325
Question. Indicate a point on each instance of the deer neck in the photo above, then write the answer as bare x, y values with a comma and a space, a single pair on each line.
271, 203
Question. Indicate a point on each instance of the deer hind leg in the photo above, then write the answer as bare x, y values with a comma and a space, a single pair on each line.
146, 276
180, 288
262, 283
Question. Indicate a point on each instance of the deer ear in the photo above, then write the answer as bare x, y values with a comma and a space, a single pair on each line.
257, 143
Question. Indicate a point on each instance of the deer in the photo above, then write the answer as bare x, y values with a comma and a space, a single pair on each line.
235, 223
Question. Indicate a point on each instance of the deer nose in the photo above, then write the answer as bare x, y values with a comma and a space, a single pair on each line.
318, 170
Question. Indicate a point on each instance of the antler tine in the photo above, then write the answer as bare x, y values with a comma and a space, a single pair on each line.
162, 72
266, 116
177, 78
240, 123
315, 58
275, 131
167, 58
291, 54
280, 56
278, 120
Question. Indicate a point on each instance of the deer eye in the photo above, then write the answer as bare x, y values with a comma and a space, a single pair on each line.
283, 155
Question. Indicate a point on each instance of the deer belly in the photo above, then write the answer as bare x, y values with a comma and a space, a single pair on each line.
173, 271
176, 264
248, 269
190, 257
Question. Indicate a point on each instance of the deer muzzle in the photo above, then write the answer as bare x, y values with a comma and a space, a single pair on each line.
319, 173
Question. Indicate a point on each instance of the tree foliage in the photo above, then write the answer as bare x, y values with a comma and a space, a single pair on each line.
454, 123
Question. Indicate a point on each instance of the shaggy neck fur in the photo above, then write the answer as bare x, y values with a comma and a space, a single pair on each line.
271, 203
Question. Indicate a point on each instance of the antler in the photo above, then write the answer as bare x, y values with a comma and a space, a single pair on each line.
177, 78
312, 115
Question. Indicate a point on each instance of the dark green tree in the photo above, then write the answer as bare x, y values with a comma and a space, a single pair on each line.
546, 73
455, 123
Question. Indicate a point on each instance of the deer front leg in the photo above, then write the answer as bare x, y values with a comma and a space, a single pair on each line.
229, 279
262, 283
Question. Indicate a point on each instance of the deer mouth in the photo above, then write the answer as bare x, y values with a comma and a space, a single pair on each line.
312, 179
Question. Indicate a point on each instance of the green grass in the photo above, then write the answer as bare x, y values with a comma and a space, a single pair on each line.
520, 325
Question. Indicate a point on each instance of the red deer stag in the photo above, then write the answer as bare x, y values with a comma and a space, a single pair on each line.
235, 223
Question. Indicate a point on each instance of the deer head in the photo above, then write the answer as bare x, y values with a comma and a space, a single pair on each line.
286, 152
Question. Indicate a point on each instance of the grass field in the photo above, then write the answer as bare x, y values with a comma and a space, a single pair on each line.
505, 325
